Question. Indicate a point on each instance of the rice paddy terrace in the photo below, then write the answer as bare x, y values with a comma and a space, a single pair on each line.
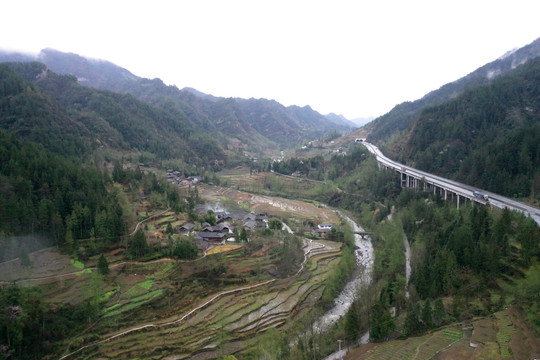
173, 309
189, 317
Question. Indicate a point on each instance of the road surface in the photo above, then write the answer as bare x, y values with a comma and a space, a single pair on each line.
495, 200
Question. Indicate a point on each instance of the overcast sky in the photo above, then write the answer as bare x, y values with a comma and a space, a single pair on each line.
356, 58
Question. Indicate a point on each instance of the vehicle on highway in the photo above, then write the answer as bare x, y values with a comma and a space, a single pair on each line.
480, 195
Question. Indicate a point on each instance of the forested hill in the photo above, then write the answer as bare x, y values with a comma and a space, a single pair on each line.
54, 110
257, 123
487, 137
402, 115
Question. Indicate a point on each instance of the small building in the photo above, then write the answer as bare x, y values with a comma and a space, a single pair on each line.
224, 228
186, 228
323, 229
273, 272
250, 224
211, 237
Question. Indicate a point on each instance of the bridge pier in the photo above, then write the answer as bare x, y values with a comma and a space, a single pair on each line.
408, 181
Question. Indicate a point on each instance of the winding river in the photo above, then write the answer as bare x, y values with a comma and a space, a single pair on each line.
360, 278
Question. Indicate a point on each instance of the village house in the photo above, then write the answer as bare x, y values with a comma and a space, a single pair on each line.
211, 237
323, 229
186, 229
254, 221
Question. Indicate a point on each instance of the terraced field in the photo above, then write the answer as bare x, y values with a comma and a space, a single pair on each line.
190, 321
415, 348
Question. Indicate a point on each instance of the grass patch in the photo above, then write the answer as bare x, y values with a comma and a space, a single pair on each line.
85, 271
143, 299
134, 291
504, 334
111, 313
77, 264
107, 295
452, 335
148, 296
111, 308
147, 284
135, 302
166, 268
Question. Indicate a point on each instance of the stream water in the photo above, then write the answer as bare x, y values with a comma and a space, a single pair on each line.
407, 265
360, 278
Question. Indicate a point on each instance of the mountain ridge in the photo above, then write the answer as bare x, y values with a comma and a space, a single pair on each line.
402, 115
288, 126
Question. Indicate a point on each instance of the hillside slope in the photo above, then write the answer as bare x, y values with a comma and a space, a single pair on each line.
54, 110
487, 137
257, 123
402, 115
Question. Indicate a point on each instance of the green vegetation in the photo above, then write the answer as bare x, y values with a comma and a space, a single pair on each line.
488, 137
52, 194
185, 249
137, 245
86, 188
528, 294
103, 265
77, 264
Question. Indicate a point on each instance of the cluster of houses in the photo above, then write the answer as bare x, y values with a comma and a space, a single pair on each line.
175, 177
207, 235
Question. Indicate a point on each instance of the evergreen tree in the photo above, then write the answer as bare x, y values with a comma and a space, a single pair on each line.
185, 249
412, 320
381, 322
427, 314
137, 245
169, 229
210, 217
439, 313
528, 236
103, 265
352, 325
243, 235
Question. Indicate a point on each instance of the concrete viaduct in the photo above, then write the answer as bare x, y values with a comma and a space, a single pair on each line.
448, 189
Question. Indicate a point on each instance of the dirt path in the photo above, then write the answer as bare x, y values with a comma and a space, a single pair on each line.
185, 316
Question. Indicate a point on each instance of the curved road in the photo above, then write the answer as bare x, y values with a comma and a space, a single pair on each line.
456, 187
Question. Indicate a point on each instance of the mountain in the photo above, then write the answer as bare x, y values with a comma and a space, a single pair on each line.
257, 123
341, 120
488, 136
362, 121
402, 115
67, 118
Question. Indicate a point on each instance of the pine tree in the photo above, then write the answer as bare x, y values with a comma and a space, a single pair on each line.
103, 265
439, 313
243, 235
412, 321
169, 229
427, 314
352, 325
137, 245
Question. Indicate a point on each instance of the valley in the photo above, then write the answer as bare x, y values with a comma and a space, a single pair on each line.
140, 221
191, 315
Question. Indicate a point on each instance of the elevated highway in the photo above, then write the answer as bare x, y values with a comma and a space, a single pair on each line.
449, 189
